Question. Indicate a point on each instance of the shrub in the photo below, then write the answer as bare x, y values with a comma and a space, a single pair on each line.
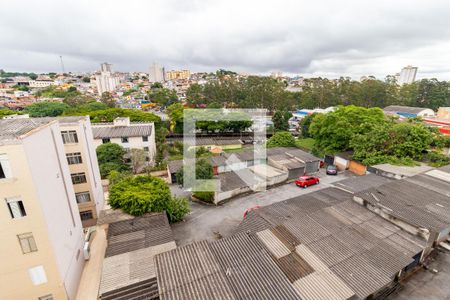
205, 196
177, 208
437, 159
281, 139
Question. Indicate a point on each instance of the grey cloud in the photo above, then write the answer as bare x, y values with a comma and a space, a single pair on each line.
329, 38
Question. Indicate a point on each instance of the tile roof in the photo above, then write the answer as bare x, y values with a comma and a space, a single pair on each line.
134, 130
13, 129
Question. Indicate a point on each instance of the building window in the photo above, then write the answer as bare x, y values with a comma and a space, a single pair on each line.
106, 140
146, 149
83, 197
27, 243
74, 158
86, 215
5, 170
69, 137
78, 178
145, 138
125, 139
46, 297
16, 208
37, 275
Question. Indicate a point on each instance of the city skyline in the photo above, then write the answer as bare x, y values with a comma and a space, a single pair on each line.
311, 39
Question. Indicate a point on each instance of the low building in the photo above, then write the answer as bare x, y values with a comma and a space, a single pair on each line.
321, 245
129, 271
129, 135
41, 233
408, 111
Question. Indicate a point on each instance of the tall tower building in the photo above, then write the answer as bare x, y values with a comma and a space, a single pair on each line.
407, 75
156, 73
107, 81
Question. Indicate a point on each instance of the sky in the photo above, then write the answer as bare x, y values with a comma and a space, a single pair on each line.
306, 38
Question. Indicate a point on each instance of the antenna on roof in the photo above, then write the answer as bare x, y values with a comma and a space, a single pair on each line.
62, 64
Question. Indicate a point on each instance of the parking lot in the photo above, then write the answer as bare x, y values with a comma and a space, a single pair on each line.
211, 222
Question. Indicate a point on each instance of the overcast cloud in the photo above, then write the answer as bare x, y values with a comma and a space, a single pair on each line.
309, 38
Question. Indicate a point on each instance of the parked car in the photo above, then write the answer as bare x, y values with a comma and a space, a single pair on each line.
305, 181
322, 163
332, 170
249, 210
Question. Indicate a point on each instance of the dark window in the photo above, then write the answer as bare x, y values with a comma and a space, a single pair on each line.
16, 208
69, 137
145, 138
125, 139
86, 215
2, 173
106, 140
27, 242
83, 197
146, 148
47, 297
78, 178
74, 158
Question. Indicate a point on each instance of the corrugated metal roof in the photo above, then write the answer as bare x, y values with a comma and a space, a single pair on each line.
131, 267
360, 183
250, 271
191, 272
100, 132
330, 250
141, 232
361, 276
273, 244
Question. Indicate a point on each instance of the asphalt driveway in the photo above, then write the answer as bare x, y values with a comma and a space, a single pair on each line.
211, 222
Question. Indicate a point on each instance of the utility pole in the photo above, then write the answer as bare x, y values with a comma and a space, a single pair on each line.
62, 64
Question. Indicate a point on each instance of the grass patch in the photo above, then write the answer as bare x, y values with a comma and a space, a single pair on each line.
307, 143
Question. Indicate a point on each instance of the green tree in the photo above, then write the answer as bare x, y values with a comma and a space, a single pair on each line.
203, 170
110, 157
108, 115
86, 79
175, 112
6, 112
333, 131
281, 139
138, 159
142, 194
108, 99
46, 109
305, 123
164, 97
281, 120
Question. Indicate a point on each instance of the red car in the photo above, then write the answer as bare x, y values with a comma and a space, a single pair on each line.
305, 181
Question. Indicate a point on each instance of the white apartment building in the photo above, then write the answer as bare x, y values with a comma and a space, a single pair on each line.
106, 81
81, 157
41, 83
407, 75
41, 249
156, 73
129, 135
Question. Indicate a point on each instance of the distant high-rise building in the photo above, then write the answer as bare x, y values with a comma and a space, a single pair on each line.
105, 67
407, 75
156, 73
178, 74
107, 81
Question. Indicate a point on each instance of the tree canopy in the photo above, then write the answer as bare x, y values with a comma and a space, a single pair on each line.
46, 109
281, 120
110, 157
281, 139
141, 194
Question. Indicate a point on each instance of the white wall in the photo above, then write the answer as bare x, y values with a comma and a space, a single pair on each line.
51, 175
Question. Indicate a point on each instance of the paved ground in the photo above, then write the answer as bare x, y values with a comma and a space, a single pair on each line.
210, 222
90, 278
427, 285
